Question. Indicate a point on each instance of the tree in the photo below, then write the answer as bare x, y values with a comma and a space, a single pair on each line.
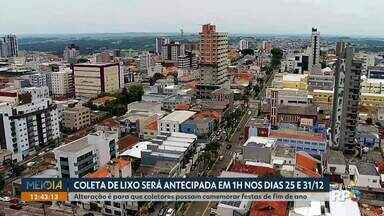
247, 52
135, 92
155, 77
277, 55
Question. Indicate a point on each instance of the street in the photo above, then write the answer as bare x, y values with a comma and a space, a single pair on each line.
203, 208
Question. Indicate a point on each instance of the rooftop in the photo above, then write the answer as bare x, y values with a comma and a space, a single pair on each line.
104, 172
336, 157
298, 135
95, 64
103, 100
307, 164
75, 146
127, 142
250, 169
284, 151
135, 151
262, 141
179, 116
298, 110
264, 208
293, 77
367, 169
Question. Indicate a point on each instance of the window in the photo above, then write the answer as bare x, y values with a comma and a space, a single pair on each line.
116, 204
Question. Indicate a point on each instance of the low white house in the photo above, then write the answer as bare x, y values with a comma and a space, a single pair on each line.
171, 122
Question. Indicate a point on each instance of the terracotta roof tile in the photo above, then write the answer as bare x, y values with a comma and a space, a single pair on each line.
250, 169
152, 125
103, 172
306, 164
182, 106
127, 142
269, 208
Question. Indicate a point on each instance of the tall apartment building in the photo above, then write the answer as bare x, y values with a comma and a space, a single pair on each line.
145, 62
314, 53
243, 44
171, 51
85, 155
30, 122
160, 42
267, 46
376, 72
77, 117
103, 57
91, 80
214, 60
187, 61
71, 52
38, 80
8, 46
61, 83
346, 99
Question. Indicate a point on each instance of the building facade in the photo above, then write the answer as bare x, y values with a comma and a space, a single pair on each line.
9, 46
71, 53
346, 99
27, 125
314, 55
77, 117
85, 155
213, 58
92, 80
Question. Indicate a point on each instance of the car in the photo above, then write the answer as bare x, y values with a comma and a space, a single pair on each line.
162, 211
221, 157
5, 199
15, 206
14, 201
170, 212
229, 146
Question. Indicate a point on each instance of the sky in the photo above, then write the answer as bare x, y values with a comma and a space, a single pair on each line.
333, 17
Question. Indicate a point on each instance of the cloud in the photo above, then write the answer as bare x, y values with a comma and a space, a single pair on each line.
250, 16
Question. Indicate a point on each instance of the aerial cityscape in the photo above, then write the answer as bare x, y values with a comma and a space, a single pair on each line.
203, 103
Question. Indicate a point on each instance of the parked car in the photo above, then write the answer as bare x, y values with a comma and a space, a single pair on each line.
15, 206
170, 212
229, 146
5, 199
162, 211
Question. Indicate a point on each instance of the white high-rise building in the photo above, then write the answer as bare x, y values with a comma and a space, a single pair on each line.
314, 52
243, 44
71, 52
85, 155
61, 83
30, 122
160, 42
9, 46
38, 80
145, 62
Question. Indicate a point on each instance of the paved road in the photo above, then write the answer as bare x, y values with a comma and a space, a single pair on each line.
203, 208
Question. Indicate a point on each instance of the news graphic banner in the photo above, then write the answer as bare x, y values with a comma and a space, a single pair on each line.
174, 189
